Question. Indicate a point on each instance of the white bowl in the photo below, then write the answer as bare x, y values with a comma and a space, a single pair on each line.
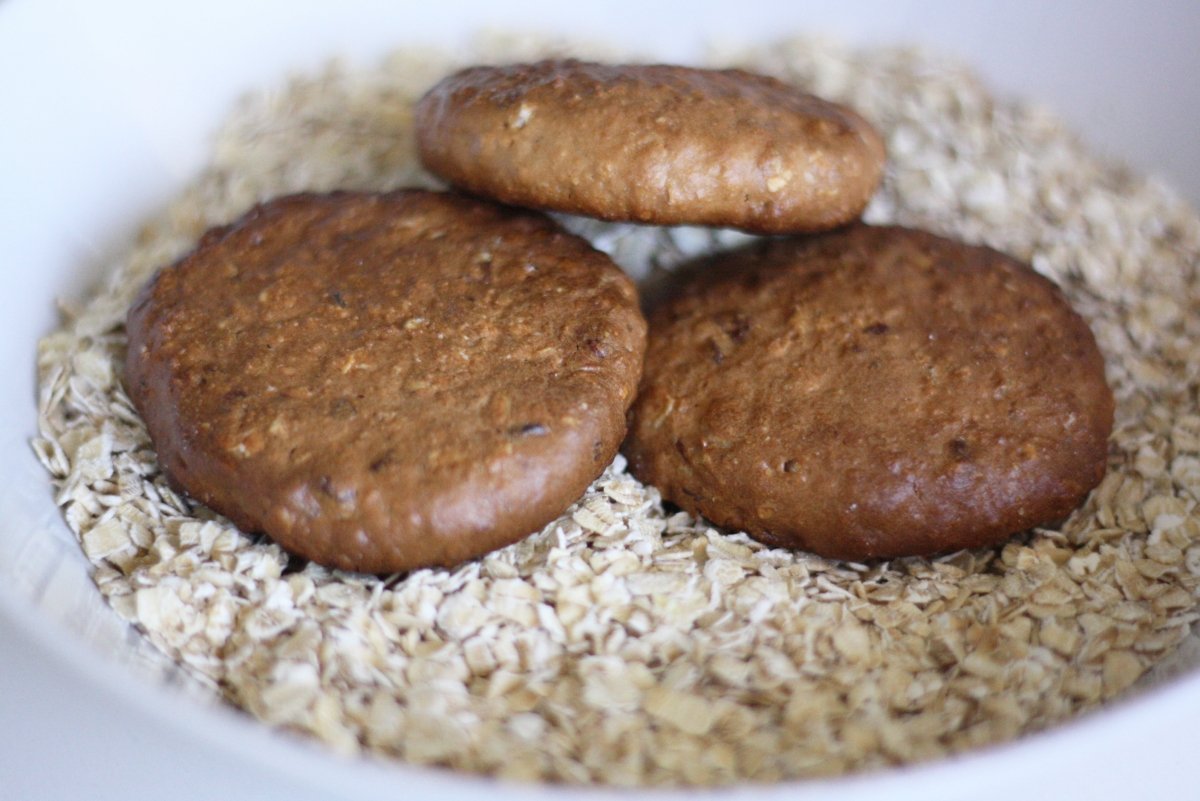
106, 108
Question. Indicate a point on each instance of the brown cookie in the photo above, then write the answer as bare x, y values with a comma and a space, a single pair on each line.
383, 382
871, 392
652, 144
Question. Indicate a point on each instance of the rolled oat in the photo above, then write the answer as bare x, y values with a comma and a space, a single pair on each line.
629, 645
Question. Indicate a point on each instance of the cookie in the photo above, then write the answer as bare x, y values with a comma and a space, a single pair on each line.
871, 392
381, 382
651, 144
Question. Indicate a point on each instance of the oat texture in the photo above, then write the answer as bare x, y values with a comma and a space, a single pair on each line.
626, 644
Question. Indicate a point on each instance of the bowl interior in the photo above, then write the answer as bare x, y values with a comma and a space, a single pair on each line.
136, 89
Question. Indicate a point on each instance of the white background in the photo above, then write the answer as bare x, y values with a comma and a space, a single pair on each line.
104, 108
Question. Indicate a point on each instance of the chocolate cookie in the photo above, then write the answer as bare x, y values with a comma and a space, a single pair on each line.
872, 392
652, 144
383, 382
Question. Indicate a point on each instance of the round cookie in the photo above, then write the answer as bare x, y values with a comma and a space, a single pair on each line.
386, 381
871, 392
651, 144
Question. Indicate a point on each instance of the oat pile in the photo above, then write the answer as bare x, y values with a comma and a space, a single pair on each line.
627, 645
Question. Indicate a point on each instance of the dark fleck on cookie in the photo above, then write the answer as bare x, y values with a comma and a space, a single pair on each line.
652, 144
871, 392
386, 381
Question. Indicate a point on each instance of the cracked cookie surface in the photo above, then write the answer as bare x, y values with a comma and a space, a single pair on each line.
652, 144
872, 392
386, 381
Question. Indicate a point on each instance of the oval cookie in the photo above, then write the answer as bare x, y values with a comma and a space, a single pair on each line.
651, 144
872, 392
383, 382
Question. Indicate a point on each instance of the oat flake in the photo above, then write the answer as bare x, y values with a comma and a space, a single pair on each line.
626, 644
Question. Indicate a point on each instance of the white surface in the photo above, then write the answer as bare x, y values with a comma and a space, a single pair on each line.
106, 106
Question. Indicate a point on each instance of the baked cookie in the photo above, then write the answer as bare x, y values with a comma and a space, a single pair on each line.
386, 381
651, 144
871, 392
